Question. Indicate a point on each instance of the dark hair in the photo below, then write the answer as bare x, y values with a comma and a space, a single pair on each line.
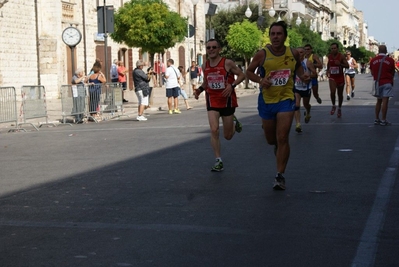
308, 45
214, 40
150, 68
280, 23
97, 65
171, 61
336, 44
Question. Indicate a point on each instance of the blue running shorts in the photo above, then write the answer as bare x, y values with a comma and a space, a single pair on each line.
269, 111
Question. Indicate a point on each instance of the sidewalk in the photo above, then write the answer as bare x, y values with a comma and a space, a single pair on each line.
158, 102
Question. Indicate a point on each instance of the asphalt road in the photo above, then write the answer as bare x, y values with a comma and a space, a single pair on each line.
129, 193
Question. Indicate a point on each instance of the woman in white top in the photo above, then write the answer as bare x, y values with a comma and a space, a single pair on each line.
350, 76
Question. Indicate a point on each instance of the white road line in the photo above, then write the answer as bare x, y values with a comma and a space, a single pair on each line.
367, 248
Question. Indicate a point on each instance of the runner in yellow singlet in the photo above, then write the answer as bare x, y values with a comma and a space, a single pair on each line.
273, 68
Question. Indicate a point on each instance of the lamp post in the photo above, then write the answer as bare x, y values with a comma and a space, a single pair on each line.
195, 2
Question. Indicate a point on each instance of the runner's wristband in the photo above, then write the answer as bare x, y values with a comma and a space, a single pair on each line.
233, 85
201, 89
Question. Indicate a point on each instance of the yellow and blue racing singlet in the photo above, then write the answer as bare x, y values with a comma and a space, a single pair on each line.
281, 71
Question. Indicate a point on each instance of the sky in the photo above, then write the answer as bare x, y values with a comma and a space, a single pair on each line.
381, 17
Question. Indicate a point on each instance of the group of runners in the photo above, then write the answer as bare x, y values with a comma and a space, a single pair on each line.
285, 76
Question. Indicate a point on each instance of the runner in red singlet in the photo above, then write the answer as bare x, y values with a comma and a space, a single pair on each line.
221, 99
335, 73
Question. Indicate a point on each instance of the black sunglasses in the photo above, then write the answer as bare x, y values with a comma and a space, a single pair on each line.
213, 47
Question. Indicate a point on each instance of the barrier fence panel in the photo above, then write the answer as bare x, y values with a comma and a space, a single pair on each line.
93, 102
8, 106
73, 102
113, 103
34, 104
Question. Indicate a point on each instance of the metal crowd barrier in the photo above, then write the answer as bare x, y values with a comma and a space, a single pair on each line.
34, 104
91, 102
73, 102
8, 106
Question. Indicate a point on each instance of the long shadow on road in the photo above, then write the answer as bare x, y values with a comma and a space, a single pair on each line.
145, 196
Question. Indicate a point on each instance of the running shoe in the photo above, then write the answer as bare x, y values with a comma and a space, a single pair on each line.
307, 115
279, 182
298, 128
339, 113
353, 94
141, 118
377, 122
318, 99
218, 167
176, 111
238, 125
385, 123
333, 110
170, 112
348, 97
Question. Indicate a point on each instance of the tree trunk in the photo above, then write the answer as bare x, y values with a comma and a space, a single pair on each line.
246, 78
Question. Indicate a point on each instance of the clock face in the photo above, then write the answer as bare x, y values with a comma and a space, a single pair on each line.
71, 36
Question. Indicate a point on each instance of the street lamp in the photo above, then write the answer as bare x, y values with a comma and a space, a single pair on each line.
272, 12
248, 12
298, 20
195, 2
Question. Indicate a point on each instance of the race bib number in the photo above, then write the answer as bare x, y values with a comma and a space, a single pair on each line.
299, 83
216, 82
279, 77
334, 70
74, 91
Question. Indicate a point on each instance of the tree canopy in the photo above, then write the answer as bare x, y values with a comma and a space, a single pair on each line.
297, 35
148, 24
244, 38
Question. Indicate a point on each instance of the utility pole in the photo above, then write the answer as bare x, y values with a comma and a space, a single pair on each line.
105, 43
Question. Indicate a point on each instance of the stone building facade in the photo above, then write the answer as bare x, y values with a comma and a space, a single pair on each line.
33, 53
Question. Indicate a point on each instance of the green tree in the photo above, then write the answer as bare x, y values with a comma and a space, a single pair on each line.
294, 38
150, 25
244, 38
361, 55
221, 22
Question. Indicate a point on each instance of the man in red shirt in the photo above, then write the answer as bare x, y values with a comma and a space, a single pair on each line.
385, 83
336, 79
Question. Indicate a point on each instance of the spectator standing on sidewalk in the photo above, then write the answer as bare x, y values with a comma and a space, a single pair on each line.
194, 74
182, 82
95, 81
78, 96
385, 83
114, 71
151, 75
172, 76
276, 65
122, 71
142, 88
335, 73
221, 99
